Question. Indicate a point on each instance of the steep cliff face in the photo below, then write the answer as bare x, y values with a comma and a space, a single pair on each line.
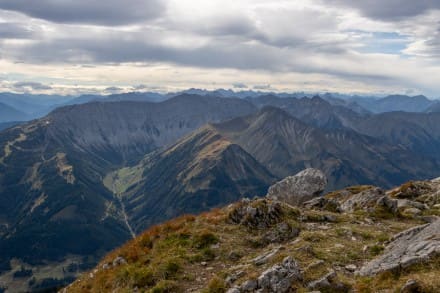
125, 131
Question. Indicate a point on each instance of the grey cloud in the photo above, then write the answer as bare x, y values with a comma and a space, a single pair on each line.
114, 89
219, 53
262, 87
108, 12
15, 31
31, 85
140, 87
240, 85
428, 47
433, 44
240, 26
119, 50
389, 10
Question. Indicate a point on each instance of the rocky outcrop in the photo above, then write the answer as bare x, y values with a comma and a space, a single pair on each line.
278, 278
370, 199
280, 233
409, 247
411, 190
328, 283
300, 188
362, 200
260, 214
350, 200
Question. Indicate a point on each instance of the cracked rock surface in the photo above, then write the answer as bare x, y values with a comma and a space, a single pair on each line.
409, 247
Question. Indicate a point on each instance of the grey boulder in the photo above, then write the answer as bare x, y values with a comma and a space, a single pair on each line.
295, 190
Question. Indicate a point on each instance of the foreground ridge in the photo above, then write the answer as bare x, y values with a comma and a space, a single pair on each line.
360, 239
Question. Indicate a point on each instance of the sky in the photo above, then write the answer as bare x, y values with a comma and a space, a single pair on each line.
345, 46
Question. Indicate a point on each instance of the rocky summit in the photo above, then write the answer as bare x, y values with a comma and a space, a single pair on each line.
358, 239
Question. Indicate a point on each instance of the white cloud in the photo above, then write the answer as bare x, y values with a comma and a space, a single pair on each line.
211, 43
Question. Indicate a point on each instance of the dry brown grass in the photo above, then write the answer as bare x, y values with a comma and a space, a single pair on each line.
194, 253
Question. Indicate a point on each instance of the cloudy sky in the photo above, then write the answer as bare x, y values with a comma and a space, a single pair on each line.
81, 46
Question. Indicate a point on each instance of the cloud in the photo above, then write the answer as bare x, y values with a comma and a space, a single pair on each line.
361, 44
108, 12
15, 31
113, 90
239, 85
30, 85
428, 47
389, 10
262, 87
140, 87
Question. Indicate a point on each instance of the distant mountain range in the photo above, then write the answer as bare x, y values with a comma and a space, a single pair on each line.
434, 108
395, 103
28, 106
86, 177
8, 114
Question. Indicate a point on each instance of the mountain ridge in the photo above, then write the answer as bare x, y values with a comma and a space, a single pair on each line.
292, 138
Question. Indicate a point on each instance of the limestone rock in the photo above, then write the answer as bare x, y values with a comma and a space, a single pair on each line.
234, 277
119, 261
300, 188
388, 203
412, 190
351, 268
405, 203
259, 214
316, 203
322, 283
328, 283
279, 278
411, 212
363, 200
105, 266
411, 286
264, 258
249, 286
409, 247
280, 233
